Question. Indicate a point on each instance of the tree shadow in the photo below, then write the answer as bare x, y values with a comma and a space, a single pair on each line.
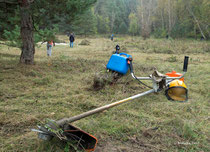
9, 55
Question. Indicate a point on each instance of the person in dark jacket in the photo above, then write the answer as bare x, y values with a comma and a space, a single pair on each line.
71, 39
112, 37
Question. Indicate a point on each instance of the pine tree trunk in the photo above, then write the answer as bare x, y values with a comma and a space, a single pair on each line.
28, 49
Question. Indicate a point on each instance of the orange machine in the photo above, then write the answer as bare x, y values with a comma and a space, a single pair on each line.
174, 74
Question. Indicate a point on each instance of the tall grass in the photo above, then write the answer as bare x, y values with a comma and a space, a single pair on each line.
60, 86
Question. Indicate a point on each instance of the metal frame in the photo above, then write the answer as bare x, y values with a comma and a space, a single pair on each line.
155, 84
149, 78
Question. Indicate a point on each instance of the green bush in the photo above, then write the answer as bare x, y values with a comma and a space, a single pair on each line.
160, 33
13, 37
48, 34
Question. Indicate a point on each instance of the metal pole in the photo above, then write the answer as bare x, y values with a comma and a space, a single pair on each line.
149, 78
100, 109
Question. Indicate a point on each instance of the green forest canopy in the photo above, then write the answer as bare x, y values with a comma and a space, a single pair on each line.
177, 18
159, 18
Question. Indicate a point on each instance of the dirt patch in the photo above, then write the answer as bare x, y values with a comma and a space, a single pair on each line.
118, 146
150, 140
102, 79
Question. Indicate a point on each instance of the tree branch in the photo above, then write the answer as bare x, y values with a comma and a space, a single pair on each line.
9, 2
35, 29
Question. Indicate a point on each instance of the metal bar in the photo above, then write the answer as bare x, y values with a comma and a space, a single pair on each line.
39, 131
100, 109
144, 78
148, 78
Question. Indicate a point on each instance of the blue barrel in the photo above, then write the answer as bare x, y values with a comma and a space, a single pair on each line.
119, 63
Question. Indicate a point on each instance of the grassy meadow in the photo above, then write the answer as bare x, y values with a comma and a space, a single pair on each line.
62, 86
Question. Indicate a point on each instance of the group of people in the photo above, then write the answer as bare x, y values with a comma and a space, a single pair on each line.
51, 43
71, 36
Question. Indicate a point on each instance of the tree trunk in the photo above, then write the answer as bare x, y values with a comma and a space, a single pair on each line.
142, 21
162, 19
169, 18
194, 17
112, 21
207, 30
28, 49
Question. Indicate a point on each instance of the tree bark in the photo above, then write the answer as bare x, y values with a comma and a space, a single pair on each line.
28, 48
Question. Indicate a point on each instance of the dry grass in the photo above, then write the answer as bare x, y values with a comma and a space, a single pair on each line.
60, 86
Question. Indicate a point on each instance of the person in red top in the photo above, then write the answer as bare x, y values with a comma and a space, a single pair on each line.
50, 44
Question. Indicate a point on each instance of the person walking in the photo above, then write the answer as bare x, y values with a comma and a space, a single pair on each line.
71, 39
112, 37
50, 44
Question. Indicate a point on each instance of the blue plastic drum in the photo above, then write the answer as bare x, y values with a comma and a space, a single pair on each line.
119, 63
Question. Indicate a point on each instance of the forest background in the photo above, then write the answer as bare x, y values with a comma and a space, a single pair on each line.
158, 18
